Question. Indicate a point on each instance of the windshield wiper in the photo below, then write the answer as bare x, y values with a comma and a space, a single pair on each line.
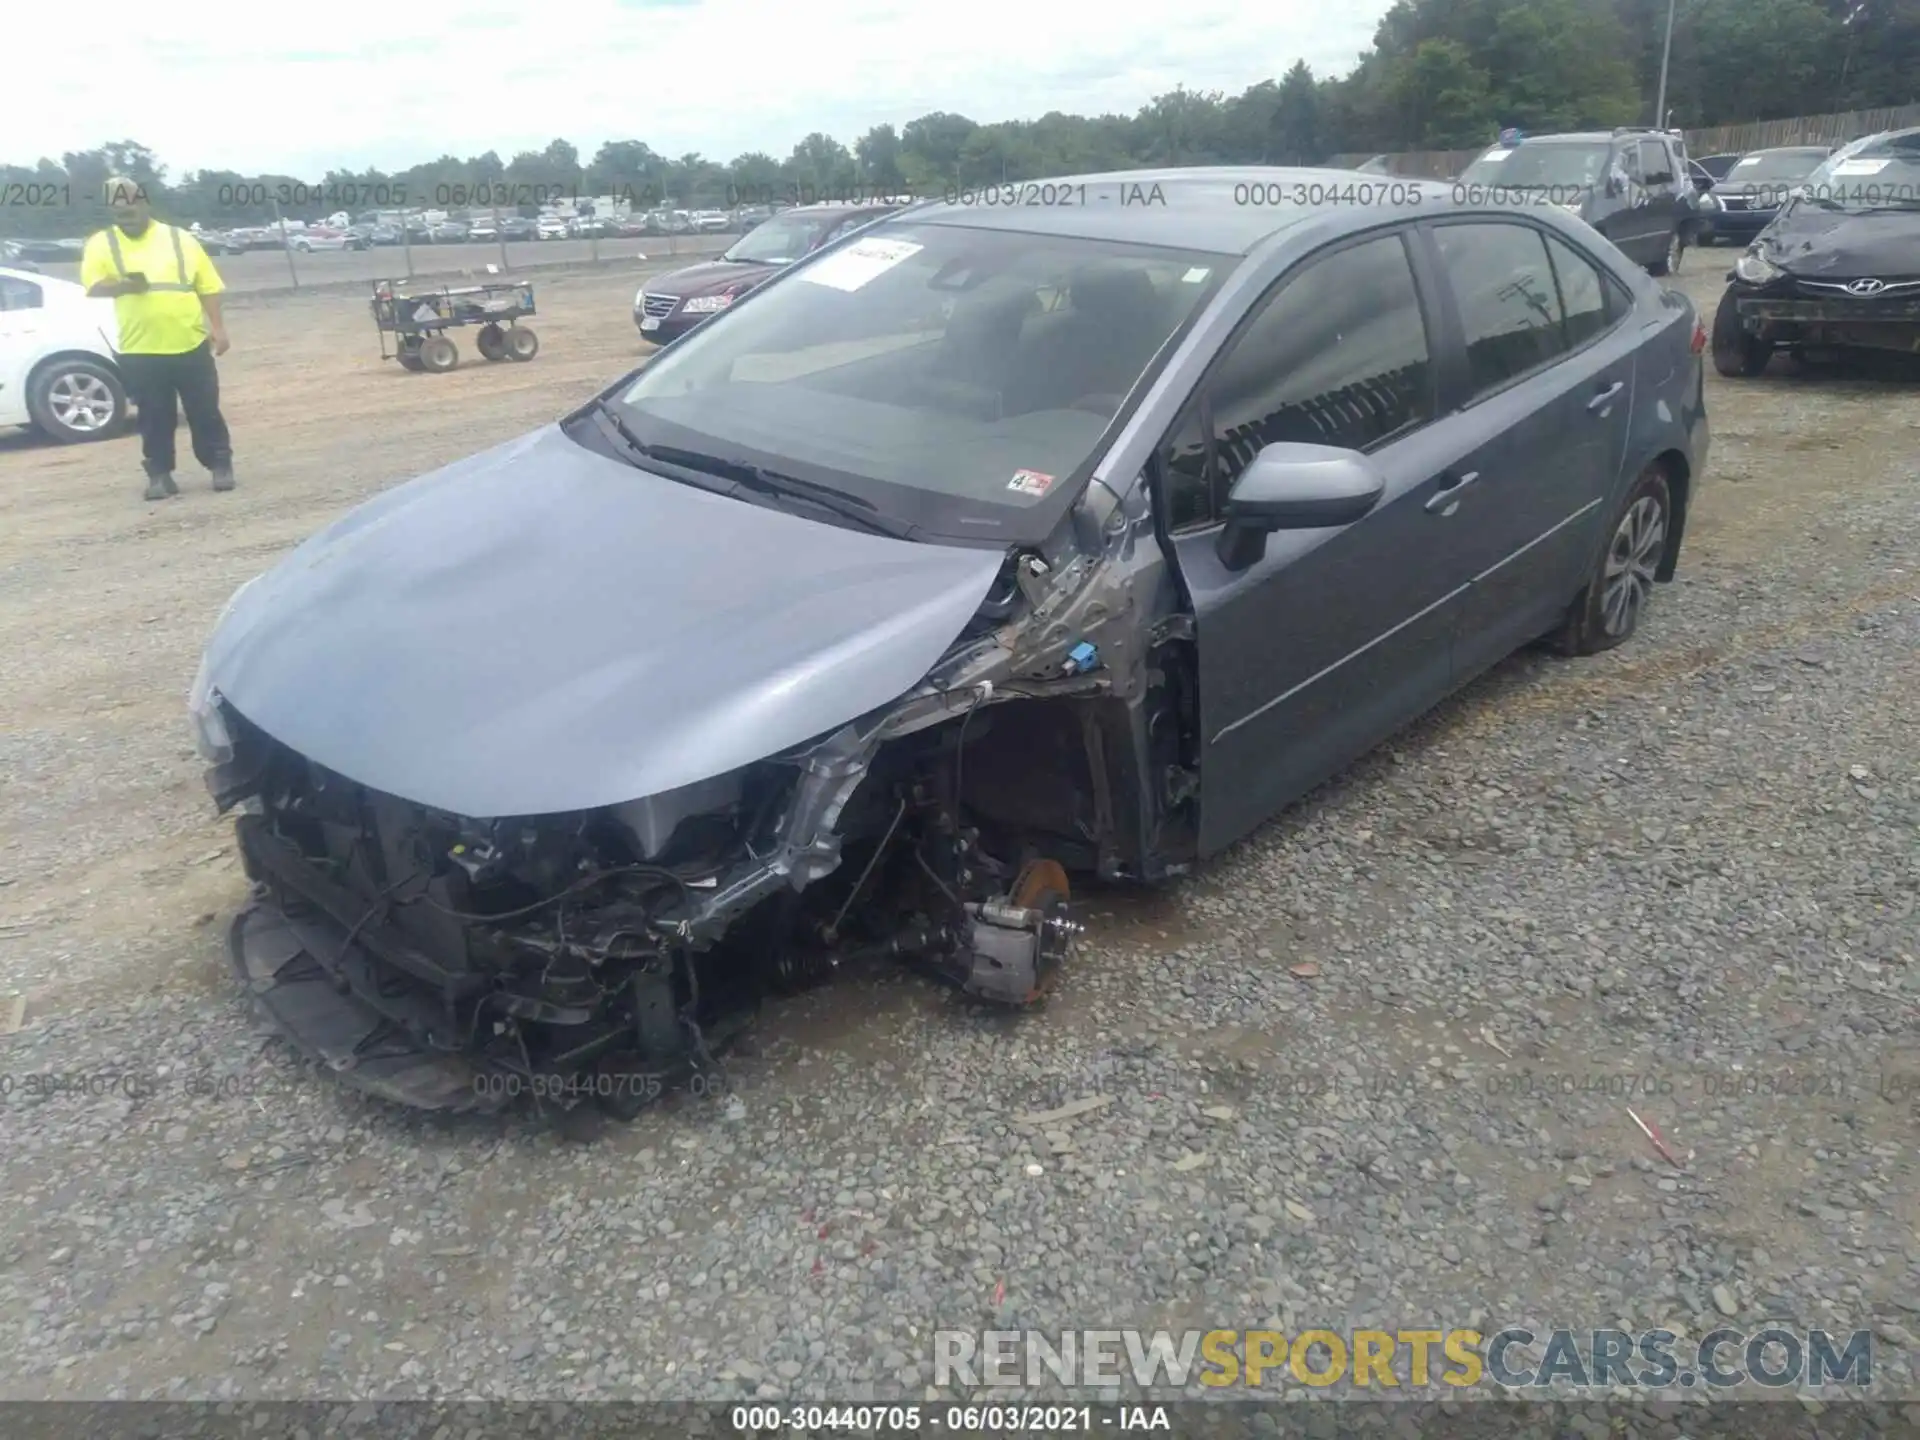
746, 475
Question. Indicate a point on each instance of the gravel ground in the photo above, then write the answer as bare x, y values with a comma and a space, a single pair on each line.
1370, 1068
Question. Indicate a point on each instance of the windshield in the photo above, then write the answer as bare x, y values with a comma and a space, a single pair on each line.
1539, 166
952, 377
1879, 172
780, 241
1774, 166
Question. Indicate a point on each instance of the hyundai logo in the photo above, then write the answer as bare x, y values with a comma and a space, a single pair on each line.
1866, 287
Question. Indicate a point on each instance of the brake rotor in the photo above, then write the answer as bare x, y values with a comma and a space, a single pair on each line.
1042, 885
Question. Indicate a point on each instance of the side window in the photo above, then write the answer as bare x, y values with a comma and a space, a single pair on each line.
1583, 292
1656, 167
1630, 163
1184, 468
18, 294
1337, 356
1509, 304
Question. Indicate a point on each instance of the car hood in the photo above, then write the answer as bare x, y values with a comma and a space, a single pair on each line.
1810, 241
541, 628
709, 278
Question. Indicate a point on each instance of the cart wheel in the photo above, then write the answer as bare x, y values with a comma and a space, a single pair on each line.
491, 342
438, 354
522, 343
410, 360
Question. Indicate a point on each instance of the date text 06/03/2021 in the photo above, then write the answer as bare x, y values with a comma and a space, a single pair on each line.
950, 1419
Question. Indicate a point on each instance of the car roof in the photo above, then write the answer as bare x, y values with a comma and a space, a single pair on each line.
1791, 150
1222, 209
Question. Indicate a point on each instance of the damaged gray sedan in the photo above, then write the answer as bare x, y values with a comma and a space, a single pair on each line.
991, 545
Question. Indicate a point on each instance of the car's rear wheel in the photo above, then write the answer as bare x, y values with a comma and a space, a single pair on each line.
72, 400
1608, 608
1736, 354
521, 343
491, 342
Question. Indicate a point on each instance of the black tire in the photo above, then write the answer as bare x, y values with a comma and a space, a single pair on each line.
491, 342
73, 400
410, 360
522, 343
438, 355
1608, 608
1736, 354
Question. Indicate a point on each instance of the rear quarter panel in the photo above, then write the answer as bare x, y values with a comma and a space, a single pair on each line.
1669, 404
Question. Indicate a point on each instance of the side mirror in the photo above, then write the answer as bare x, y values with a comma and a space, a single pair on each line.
1295, 487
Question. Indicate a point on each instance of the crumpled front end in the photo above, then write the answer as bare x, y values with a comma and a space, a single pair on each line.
975, 735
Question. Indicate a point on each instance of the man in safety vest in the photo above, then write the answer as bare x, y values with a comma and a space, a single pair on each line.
166, 295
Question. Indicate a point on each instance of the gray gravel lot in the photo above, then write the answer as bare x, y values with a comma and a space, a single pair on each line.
1372, 1068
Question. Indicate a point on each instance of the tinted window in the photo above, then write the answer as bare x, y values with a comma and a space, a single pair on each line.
1656, 166
1509, 302
18, 294
1338, 357
1630, 162
1583, 292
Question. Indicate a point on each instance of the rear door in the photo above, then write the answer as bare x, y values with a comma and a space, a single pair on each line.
1337, 636
21, 318
1629, 224
1546, 390
1667, 190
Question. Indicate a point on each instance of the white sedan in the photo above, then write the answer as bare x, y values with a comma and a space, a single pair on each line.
59, 371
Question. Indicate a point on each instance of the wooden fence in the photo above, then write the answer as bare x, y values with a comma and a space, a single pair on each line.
1717, 140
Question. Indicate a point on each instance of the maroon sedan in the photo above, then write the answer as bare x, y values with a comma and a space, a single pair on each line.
669, 305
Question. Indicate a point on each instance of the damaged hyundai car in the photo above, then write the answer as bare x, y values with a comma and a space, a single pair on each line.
989, 549
1837, 269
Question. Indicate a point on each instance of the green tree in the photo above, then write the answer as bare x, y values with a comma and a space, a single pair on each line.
878, 152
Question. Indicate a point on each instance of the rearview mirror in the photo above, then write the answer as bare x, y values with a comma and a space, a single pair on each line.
1295, 487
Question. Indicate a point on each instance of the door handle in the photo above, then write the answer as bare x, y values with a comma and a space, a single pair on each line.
1446, 499
1600, 403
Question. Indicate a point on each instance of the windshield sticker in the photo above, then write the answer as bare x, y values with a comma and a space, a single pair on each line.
860, 262
1195, 275
1496, 154
1861, 167
1749, 161
1030, 482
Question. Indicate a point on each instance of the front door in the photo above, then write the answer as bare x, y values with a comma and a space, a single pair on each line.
1336, 637
1547, 392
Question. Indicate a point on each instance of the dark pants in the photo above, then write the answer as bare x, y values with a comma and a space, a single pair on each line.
162, 386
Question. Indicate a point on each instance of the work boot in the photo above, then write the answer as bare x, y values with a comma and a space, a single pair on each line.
223, 477
160, 487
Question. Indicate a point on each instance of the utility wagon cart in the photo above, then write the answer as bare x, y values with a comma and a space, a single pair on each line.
418, 320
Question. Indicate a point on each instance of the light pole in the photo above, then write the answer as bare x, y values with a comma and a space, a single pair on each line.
1666, 55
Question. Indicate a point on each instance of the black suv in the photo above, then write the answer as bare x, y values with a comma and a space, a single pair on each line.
1837, 269
1633, 185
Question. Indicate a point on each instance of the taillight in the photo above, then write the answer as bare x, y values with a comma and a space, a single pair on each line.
1699, 336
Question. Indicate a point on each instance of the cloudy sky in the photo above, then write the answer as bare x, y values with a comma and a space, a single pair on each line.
297, 88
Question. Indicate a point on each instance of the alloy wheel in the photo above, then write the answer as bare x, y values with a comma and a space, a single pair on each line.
1632, 557
81, 402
